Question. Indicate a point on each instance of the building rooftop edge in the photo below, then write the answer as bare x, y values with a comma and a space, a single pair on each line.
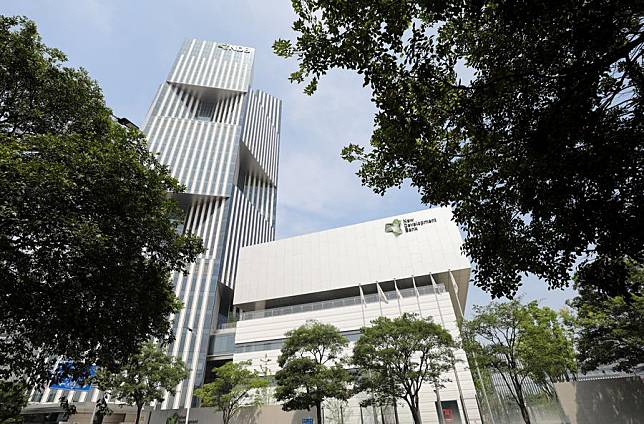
343, 227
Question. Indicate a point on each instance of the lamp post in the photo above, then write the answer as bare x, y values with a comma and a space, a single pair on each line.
189, 394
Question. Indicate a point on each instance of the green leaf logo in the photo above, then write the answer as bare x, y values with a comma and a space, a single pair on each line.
393, 227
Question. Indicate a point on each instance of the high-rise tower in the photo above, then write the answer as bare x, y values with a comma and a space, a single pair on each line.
221, 140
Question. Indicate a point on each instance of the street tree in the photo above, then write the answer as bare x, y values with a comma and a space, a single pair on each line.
396, 357
145, 377
13, 397
337, 412
312, 369
525, 117
520, 342
609, 330
266, 373
234, 386
87, 226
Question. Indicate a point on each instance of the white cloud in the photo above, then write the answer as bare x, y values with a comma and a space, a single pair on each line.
315, 183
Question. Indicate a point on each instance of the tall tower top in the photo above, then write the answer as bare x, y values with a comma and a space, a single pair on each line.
209, 64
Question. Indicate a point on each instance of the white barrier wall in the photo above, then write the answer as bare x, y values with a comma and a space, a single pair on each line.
350, 318
347, 256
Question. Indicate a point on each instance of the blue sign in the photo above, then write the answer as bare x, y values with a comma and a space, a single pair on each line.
68, 383
307, 420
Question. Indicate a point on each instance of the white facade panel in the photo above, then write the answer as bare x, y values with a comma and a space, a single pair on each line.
348, 256
283, 284
351, 318
345, 318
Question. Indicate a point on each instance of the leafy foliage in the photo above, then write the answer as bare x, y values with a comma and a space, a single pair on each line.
87, 239
144, 378
311, 368
397, 356
40, 96
525, 117
610, 330
233, 387
68, 408
13, 397
520, 342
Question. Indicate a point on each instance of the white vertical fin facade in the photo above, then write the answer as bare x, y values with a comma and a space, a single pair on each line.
220, 139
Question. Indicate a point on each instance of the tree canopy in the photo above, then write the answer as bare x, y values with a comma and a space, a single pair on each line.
525, 117
144, 378
234, 386
520, 342
13, 397
610, 329
87, 233
396, 357
312, 370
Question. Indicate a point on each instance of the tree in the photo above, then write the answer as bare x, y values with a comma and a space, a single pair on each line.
144, 378
265, 372
337, 411
311, 368
13, 397
610, 329
233, 387
397, 356
525, 117
520, 342
87, 229
69, 408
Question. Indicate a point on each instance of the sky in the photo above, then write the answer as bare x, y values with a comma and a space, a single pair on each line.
129, 46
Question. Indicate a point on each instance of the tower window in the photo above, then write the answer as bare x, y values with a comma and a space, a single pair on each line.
205, 111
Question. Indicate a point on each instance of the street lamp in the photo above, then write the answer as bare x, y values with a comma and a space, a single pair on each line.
189, 391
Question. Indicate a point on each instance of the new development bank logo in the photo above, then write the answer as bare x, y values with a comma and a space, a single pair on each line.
394, 227
397, 226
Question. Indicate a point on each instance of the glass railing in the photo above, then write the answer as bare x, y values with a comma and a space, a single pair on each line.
351, 335
226, 325
337, 303
221, 344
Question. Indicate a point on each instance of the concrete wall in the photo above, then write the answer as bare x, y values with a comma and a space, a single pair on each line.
618, 400
251, 415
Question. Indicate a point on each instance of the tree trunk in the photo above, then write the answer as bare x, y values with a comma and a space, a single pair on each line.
318, 411
415, 414
138, 412
522, 406
524, 413
396, 412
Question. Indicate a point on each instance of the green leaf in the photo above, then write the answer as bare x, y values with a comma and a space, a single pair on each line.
88, 235
524, 117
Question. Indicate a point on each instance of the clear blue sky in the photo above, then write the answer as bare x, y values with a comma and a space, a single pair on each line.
128, 46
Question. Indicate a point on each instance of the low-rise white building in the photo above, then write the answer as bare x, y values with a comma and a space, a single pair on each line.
282, 284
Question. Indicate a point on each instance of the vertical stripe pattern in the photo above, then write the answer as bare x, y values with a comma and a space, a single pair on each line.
247, 226
262, 131
210, 64
195, 126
